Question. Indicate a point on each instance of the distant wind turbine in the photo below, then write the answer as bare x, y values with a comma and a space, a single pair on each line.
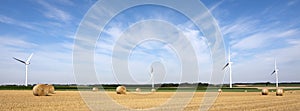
276, 73
228, 64
27, 62
152, 77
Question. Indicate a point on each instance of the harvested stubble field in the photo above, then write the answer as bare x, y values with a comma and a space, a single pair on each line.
71, 100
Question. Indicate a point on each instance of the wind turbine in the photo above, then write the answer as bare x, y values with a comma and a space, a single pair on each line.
276, 73
228, 64
152, 78
27, 62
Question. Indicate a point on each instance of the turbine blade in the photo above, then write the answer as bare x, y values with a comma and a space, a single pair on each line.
151, 69
19, 60
273, 72
29, 58
229, 54
225, 66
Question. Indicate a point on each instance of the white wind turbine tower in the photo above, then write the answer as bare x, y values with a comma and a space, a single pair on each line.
228, 64
27, 62
276, 73
152, 77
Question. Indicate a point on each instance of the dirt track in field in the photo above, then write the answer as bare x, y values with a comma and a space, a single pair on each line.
71, 100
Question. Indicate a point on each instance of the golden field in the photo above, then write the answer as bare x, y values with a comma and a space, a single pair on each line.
71, 100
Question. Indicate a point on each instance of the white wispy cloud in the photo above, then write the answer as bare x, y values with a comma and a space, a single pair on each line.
65, 2
9, 20
15, 42
216, 5
240, 27
54, 12
252, 42
288, 33
263, 39
291, 2
249, 32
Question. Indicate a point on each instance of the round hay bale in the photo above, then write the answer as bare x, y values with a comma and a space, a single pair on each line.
40, 90
246, 90
138, 90
51, 88
265, 91
219, 90
153, 90
121, 90
279, 92
95, 89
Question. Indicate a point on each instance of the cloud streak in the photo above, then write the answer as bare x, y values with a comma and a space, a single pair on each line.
11, 21
55, 13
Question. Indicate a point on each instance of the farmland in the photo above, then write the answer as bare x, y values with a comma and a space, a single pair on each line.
71, 100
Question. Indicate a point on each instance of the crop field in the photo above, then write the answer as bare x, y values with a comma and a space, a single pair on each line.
71, 100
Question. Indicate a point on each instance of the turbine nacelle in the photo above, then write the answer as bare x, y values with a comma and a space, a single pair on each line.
276, 70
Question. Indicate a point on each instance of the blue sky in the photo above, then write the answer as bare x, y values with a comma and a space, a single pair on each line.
257, 31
